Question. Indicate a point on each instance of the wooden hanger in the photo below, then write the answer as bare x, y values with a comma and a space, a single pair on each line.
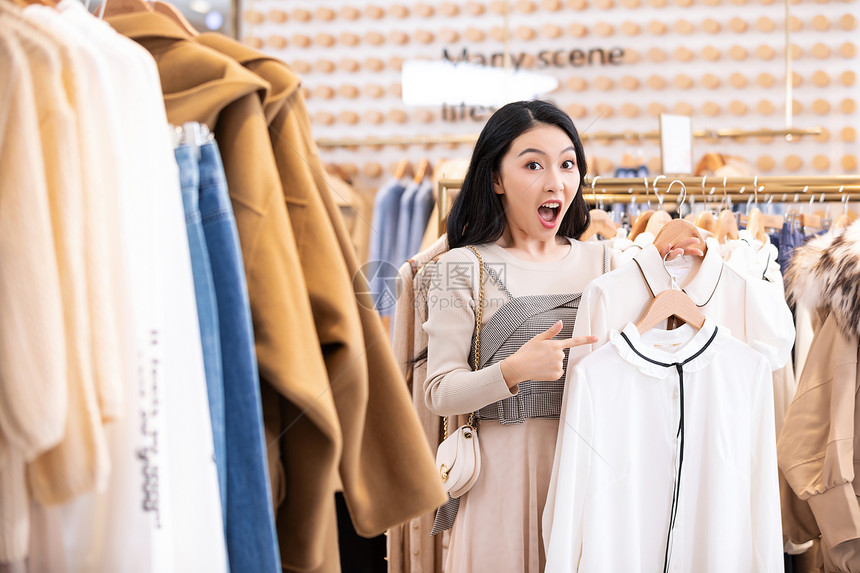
25, 3
810, 221
174, 14
600, 223
400, 171
755, 224
676, 231
843, 220
705, 220
117, 7
422, 169
657, 221
727, 226
669, 303
640, 224
673, 302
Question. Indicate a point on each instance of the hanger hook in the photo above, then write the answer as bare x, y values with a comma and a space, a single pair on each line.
656, 193
674, 284
683, 194
593, 190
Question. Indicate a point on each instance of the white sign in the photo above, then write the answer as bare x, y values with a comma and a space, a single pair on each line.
676, 144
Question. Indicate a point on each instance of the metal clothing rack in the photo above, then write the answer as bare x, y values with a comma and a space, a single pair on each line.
670, 190
596, 136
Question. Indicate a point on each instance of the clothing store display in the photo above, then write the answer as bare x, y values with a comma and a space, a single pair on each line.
116, 71
236, 338
517, 451
700, 404
183, 282
816, 447
276, 286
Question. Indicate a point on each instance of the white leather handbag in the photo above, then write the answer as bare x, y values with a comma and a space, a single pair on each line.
459, 460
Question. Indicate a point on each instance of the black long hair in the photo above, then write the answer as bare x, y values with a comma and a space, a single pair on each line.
477, 215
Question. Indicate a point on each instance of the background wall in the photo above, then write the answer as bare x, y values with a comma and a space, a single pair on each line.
720, 61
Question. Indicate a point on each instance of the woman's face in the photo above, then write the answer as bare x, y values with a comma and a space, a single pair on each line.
538, 180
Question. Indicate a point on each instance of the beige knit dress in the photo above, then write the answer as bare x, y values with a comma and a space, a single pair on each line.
498, 526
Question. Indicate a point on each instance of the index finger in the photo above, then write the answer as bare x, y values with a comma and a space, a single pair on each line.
577, 341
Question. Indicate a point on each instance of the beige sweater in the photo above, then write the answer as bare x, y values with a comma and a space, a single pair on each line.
32, 346
80, 461
451, 386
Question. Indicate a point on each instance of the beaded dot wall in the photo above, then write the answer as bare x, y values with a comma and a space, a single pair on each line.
620, 64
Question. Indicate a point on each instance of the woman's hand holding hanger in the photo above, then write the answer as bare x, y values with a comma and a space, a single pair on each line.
688, 246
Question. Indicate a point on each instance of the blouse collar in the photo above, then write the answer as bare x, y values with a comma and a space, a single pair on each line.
700, 288
695, 349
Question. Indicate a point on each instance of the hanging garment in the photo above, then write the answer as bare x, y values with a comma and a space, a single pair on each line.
401, 251
33, 353
250, 523
754, 311
380, 270
207, 306
367, 388
421, 211
817, 448
517, 429
113, 72
173, 361
668, 461
80, 462
229, 98
411, 548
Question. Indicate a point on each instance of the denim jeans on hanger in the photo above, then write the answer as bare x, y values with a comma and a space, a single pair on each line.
252, 543
207, 308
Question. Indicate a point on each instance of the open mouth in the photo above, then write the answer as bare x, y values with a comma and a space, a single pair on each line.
549, 212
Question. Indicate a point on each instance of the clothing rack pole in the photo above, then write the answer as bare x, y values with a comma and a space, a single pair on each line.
800, 190
835, 187
597, 136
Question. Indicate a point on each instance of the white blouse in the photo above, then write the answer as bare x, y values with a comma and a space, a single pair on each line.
620, 461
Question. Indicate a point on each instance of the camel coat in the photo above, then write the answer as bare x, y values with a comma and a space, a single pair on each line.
368, 391
820, 440
387, 476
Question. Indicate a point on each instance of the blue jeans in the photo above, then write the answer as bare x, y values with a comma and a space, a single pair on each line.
252, 542
207, 308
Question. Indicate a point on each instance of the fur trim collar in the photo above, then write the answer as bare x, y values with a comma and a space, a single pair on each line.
825, 273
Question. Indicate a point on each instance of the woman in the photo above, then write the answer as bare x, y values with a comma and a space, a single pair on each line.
521, 208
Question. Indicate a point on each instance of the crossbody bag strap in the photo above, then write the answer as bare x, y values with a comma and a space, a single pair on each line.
479, 317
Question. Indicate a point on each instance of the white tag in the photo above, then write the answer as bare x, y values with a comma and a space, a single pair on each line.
679, 268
